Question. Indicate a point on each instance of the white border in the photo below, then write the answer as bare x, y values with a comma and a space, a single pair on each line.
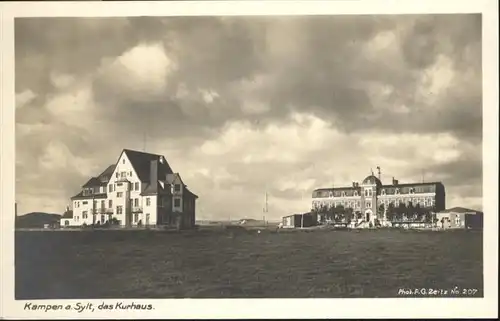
263, 308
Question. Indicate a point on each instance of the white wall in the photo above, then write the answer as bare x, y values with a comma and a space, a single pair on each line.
81, 206
129, 192
66, 222
150, 209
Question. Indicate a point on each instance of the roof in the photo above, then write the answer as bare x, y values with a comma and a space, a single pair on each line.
412, 184
460, 210
372, 179
99, 180
80, 196
92, 182
189, 192
67, 214
141, 162
345, 188
107, 172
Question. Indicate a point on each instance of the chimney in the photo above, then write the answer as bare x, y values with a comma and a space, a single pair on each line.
394, 181
153, 172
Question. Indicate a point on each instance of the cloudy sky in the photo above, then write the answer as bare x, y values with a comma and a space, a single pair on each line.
244, 105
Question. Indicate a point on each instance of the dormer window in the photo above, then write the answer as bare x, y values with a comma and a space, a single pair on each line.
397, 191
383, 191
343, 194
331, 194
412, 190
355, 193
161, 159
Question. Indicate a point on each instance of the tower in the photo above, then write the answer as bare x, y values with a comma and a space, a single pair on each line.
369, 190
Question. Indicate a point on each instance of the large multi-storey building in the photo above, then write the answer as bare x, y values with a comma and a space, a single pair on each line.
140, 189
366, 198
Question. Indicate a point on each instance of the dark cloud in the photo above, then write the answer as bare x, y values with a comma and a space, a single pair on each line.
362, 75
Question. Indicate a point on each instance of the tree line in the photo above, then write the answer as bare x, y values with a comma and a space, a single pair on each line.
400, 213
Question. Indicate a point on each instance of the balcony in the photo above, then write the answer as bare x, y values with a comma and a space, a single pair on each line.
136, 209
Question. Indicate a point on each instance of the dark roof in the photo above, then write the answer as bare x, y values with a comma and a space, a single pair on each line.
151, 189
141, 162
80, 196
99, 180
460, 210
412, 184
92, 182
107, 172
382, 186
372, 179
189, 192
67, 214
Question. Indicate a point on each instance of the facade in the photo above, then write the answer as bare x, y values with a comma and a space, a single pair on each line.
140, 189
459, 217
366, 198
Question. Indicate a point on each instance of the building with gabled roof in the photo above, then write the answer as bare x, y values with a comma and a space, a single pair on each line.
140, 189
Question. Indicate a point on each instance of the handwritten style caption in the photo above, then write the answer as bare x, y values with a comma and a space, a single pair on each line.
87, 307
430, 292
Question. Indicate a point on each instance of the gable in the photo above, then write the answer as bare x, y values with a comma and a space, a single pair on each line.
141, 163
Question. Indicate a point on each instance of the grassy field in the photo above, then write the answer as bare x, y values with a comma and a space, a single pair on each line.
244, 264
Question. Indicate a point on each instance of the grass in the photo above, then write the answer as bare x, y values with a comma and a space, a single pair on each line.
243, 264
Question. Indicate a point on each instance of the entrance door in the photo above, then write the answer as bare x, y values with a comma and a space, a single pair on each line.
147, 219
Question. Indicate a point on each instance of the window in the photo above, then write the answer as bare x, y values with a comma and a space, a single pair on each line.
110, 203
103, 204
177, 202
397, 191
412, 190
355, 193
343, 194
366, 193
85, 202
358, 204
119, 210
136, 202
85, 214
119, 194
66, 222
103, 219
110, 188
136, 218
136, 186
148, 201
331, 194
457, 220
177, 187
383, 191
123, 161
129, 173
123, 174
117, 175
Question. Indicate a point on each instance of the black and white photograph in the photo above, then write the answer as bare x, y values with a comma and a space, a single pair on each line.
246, 156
